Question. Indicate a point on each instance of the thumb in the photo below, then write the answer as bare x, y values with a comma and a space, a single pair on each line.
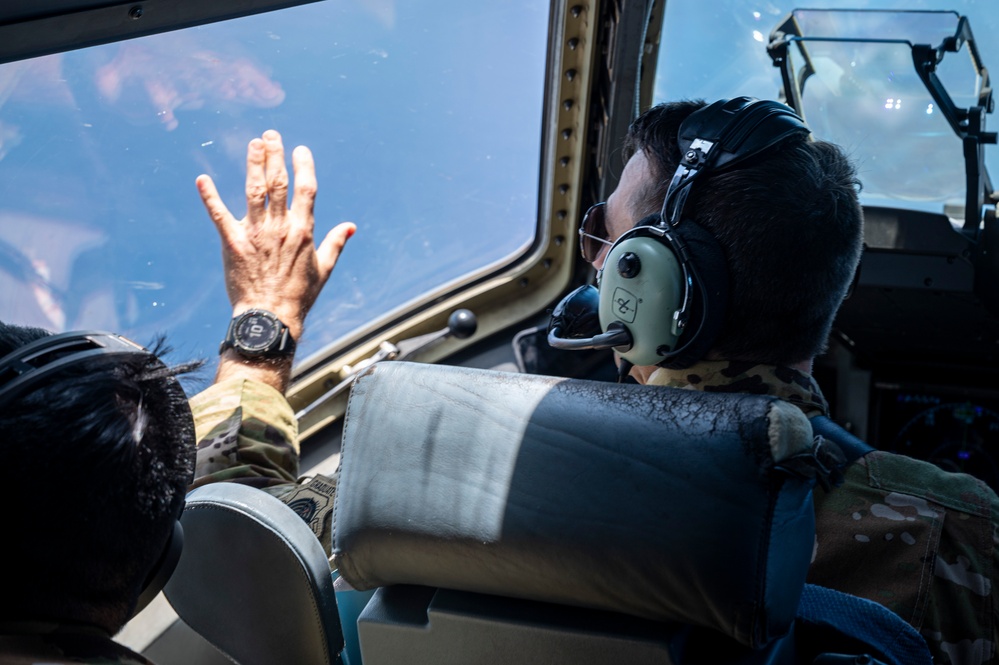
329, 250
213, 203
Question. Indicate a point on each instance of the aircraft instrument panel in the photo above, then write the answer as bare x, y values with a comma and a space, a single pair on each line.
955, 429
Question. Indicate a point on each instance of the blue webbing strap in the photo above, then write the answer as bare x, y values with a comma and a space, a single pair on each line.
836, 622
851, 446
855, 625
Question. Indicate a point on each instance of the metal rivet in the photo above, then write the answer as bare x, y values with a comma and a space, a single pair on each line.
576, 11
564, 161
566, 133
561, 214
524, 282
573, 43
559, 240
570, 74
547, 263
135, 13
568, 104
563, 189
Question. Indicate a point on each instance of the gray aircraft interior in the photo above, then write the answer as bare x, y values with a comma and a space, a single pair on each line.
108, 111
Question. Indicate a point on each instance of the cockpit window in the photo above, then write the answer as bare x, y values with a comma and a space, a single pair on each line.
865, 96
425, 126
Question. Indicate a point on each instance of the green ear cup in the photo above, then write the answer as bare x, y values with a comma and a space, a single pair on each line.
641, 288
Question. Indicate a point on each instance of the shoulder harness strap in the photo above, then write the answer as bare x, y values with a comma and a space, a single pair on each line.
852, 447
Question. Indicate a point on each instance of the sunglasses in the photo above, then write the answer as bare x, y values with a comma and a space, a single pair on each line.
593, 232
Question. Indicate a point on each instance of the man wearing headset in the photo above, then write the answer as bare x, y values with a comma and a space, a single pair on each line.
788, 228
98, 439
788, 222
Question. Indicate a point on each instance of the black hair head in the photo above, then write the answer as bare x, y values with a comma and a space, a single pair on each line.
94, 465
789, 223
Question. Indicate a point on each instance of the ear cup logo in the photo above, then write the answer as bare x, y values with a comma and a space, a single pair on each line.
625, 305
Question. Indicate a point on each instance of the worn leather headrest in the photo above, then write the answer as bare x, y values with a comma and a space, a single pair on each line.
655, 502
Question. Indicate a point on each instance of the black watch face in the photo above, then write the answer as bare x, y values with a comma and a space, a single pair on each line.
257, 332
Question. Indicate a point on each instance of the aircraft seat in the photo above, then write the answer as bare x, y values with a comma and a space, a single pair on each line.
555, 520
254, 580
517, 518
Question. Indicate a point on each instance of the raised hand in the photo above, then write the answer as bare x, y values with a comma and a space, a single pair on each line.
270, 258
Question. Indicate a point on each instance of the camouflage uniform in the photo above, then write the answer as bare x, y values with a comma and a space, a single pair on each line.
899, 531
247, 433
53, 644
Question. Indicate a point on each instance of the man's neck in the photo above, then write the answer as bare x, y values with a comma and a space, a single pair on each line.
642, 373
804, 366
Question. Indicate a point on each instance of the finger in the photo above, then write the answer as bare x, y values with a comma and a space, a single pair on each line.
304, 198
217, 210
256, 182
332, 245
277, 175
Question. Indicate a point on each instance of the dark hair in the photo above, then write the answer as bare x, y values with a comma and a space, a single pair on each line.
790, 225
94, 466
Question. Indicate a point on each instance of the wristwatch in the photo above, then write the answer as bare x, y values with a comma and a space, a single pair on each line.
257, 333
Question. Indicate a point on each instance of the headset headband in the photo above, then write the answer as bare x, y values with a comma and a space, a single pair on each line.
29, 365
722, 135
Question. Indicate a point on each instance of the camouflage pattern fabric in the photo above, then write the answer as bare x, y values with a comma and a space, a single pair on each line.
731, 376
899, 531
53, 644
247, 433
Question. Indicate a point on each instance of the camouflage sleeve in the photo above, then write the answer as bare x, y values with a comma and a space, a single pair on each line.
312, 499
921, 542
960, 618
247, 433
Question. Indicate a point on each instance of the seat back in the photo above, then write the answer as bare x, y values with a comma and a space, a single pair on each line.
507, 518
656, 503
254, 580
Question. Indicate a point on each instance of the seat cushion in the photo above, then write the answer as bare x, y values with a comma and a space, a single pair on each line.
656, 502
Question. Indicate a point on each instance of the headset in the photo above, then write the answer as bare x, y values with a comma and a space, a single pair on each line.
662, 294
40, 361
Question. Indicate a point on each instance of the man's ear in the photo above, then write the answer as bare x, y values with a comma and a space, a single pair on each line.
856, 275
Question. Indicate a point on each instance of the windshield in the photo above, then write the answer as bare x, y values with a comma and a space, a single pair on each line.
866, 97
425, 126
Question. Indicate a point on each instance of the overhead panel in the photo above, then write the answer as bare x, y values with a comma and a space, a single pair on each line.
31, 28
